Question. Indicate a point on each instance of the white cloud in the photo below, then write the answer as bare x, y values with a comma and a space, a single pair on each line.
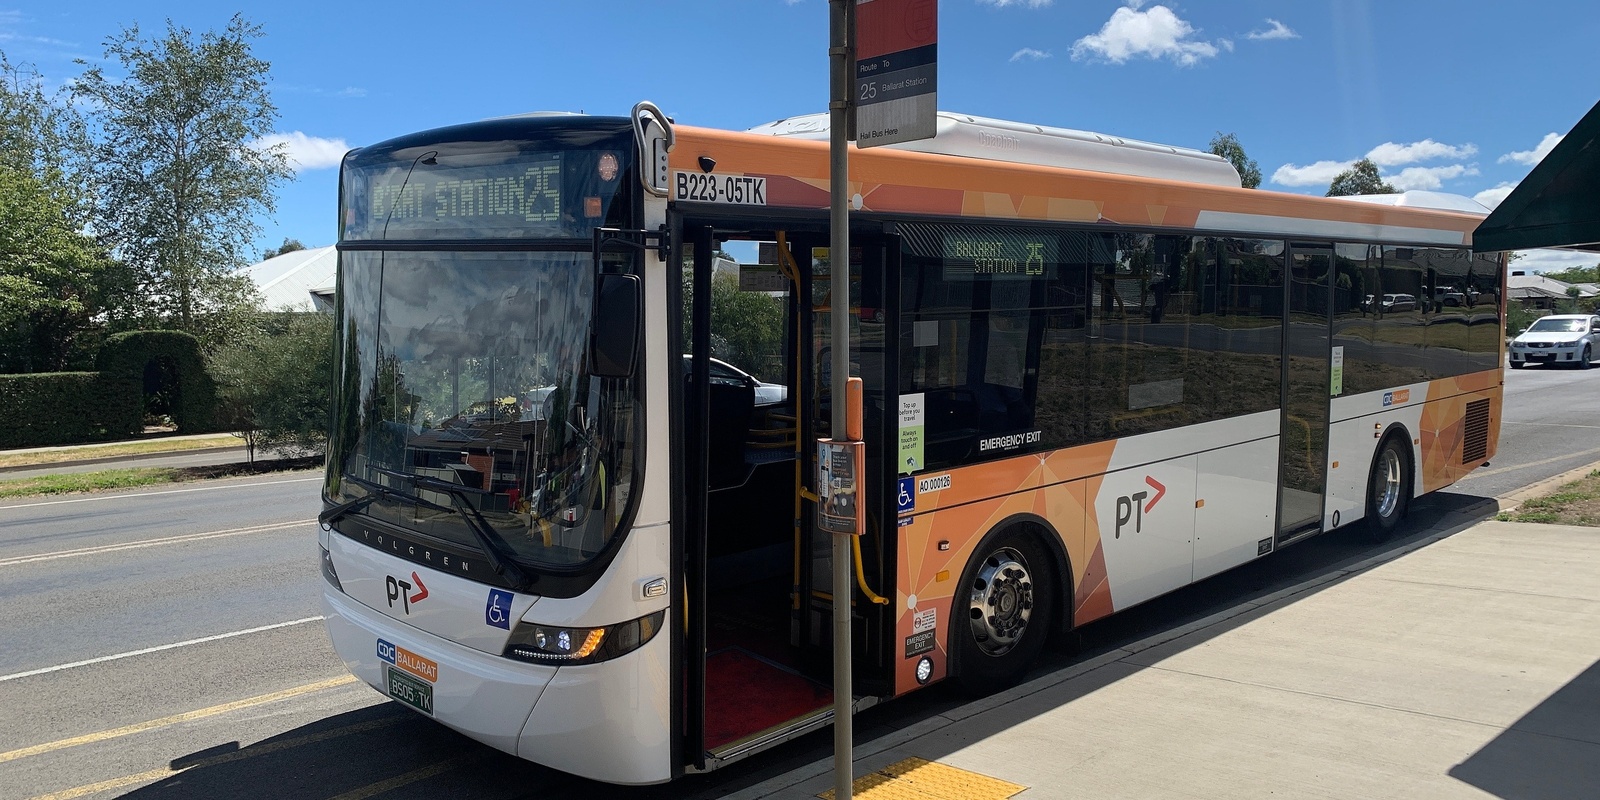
1494, 197
1023, 3
1157, 33
305, 152
1537, 154
1427, 177
1276, 30
1390, 154
1227, 44
1321, 173
1552, 260
1030, 54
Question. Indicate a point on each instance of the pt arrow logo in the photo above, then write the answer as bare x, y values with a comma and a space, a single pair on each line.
1129, 509
1154, 484
401, 590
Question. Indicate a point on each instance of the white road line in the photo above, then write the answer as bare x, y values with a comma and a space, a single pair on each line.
154, 494
156, 649
188, 537
1550, 425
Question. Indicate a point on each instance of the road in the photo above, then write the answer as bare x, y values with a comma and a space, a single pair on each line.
166, 642
1551, 425
182, 458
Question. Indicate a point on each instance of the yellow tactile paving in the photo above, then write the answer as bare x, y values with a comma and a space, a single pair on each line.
920, 779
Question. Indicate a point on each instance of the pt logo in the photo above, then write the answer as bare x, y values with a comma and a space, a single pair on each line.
1130, 510
400, 590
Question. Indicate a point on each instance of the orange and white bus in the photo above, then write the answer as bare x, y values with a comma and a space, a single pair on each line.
570, 516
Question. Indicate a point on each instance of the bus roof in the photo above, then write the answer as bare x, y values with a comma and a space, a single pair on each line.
1025, 143
794, 173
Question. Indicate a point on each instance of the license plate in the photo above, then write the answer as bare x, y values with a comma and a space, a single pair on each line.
411, 691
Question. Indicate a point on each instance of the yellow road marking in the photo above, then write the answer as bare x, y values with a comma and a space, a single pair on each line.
374, 789
918, 779
187, 716
250, 752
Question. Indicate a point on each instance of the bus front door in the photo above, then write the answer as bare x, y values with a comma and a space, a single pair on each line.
1307, 374
757, 574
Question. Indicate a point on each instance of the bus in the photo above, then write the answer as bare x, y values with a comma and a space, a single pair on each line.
569, 517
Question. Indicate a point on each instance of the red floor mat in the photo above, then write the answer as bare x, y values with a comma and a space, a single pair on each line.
746, 695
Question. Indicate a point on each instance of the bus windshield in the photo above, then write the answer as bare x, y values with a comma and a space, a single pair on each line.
463, 385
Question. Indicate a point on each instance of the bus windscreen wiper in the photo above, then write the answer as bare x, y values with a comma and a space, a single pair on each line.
494, 549
375, 492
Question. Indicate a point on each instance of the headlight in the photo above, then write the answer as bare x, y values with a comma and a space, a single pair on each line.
327, 568
549, 644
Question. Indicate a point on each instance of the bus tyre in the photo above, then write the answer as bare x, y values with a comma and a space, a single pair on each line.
1003, 610
1388, 488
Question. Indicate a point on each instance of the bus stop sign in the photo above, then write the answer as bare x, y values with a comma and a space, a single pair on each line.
896, 47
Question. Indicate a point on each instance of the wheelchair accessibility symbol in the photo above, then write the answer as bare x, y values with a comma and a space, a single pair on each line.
497, 611
907, 499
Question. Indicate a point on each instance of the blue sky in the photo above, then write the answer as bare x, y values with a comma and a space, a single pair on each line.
1459, 96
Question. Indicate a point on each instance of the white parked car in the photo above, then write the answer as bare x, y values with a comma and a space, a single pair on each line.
1558, 339
722, 372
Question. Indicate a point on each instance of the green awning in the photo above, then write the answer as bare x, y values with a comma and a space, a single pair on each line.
1558, 204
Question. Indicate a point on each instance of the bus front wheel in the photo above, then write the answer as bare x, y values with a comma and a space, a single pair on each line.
1388, 488
1003, 610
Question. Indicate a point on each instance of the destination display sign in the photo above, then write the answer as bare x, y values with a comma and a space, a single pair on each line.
1000, 254
527, 192
896, 75
439, 194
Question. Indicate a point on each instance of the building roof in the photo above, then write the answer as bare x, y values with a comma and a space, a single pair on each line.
287, 282
1556, 205
1522, 285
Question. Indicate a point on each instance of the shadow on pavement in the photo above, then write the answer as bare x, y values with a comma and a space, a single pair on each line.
386, 751
1552, 752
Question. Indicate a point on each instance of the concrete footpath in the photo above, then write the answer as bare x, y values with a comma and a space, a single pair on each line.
1467, 666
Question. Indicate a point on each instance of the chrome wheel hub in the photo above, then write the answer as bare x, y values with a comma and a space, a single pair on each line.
1001, 602
1388, 482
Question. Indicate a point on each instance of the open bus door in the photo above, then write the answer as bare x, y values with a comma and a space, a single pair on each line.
756, 572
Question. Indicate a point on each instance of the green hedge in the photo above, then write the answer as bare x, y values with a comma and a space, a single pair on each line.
125, 356
73, 407
63, 408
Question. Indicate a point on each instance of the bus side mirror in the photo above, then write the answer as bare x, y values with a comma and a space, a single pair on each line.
614, 345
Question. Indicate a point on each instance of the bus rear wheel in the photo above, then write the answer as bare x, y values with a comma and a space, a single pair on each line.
1388, 488
1002, 611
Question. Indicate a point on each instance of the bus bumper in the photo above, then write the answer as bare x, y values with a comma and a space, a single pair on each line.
608, 721
485, 697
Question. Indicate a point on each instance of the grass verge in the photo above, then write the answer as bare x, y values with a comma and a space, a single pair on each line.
1576, 503
111, 479
123, 449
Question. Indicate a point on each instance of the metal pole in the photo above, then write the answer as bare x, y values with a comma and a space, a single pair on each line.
838, 317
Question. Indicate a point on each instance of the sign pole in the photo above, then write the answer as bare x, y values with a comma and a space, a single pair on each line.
839, 66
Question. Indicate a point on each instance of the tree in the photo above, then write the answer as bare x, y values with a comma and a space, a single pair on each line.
289, 246
1576, 275
1361, 178
179, 173
56, 284
275, 383
746, 327
1227, 145
54, 281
